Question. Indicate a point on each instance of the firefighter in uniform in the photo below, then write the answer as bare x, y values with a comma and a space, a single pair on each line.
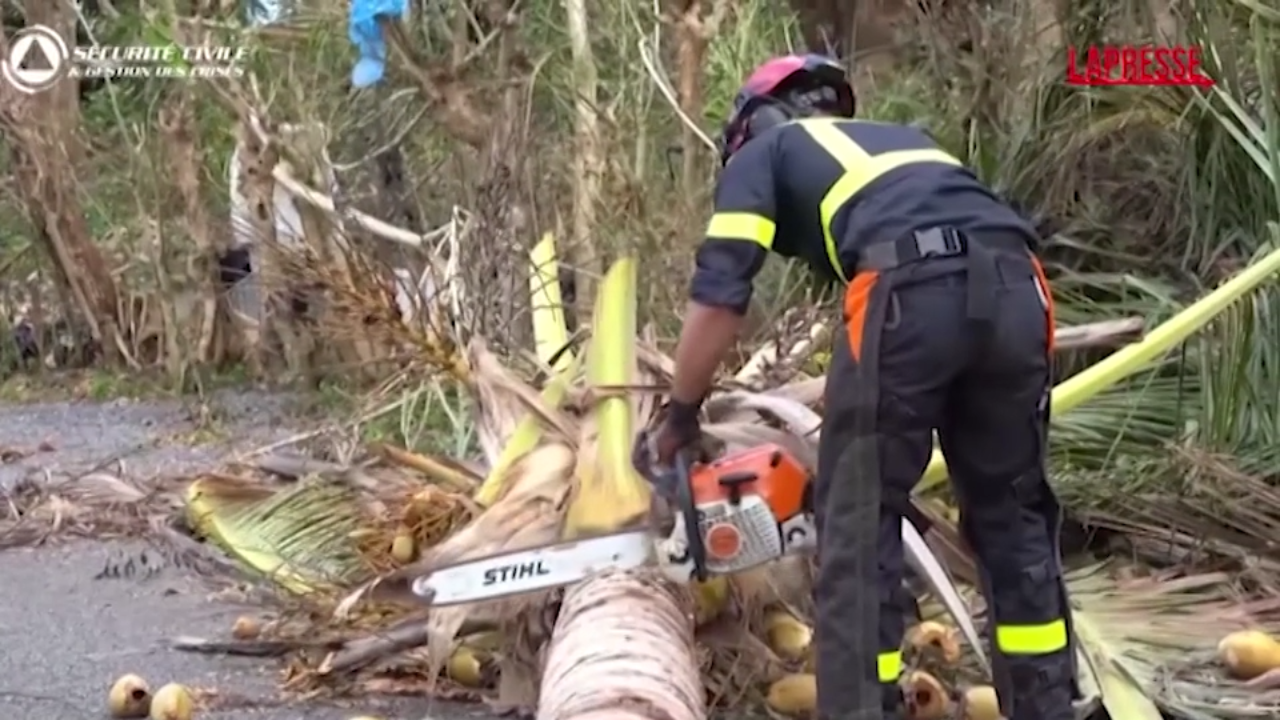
948, 326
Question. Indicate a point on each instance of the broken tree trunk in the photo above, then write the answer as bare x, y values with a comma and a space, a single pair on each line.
649, 670
43, 131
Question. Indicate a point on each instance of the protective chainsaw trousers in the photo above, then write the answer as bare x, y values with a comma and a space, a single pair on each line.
957, 339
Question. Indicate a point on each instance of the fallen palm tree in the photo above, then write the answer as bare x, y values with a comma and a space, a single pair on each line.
559, 467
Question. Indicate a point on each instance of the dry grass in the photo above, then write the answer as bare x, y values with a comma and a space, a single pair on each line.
96, 505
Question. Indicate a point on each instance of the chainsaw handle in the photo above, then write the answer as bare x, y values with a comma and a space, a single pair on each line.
689, 511
644, 460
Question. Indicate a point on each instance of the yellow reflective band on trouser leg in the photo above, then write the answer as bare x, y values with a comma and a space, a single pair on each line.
742, 226
860, 168
889, 666
1041, 639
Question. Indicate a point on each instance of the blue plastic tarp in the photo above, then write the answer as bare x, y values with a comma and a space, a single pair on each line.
366, 34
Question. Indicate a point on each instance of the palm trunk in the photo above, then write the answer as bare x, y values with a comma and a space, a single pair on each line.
623, 649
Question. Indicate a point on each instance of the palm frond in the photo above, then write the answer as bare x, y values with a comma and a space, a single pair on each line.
1140, 635
1190, 506
1137, 419
302, 536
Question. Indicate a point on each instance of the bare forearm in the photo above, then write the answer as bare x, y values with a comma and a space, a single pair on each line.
708, 334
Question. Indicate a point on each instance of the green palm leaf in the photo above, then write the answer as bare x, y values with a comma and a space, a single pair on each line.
301, 536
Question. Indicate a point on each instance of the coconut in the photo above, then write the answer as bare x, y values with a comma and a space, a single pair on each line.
794, 694
246, 628
1249, 653
935, 640
789, 638
129, 697
403, 547
470, 666
981, 703
925, 697
172, 702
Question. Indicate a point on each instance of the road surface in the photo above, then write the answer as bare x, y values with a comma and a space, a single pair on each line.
64, 636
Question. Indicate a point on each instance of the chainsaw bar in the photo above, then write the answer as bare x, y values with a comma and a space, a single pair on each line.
539, 568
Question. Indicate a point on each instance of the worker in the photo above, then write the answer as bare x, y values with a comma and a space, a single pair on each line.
948, 327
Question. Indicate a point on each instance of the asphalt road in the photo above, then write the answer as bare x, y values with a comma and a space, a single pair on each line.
64, 636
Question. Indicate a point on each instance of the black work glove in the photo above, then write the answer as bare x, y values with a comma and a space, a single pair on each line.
655, 451
678, 430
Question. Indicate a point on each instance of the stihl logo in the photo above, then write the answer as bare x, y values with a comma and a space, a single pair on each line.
519, 571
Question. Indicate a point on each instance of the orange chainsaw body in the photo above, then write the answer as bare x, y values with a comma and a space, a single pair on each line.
768, 471
747, 506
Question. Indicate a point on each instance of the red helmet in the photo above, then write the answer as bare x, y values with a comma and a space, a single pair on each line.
782, 89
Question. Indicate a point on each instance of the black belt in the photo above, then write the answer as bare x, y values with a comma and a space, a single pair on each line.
944, 242
935, 242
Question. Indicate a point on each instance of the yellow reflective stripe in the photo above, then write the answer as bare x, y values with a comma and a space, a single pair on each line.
889, 666
742, 226
1032, 639
860, 168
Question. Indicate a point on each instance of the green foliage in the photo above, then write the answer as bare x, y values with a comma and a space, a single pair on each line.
1206, 161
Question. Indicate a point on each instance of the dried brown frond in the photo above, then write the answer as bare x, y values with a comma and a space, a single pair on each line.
503, 401
41, 509
1197, 509
735, 663
428, 515
1198, 683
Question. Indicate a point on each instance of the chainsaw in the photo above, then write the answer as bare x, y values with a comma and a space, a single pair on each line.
743, 510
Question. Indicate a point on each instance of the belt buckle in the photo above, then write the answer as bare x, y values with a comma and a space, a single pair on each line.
938, 242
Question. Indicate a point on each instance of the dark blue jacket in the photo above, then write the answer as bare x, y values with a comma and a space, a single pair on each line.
822, 189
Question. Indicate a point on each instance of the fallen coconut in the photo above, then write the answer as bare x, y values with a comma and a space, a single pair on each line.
981, 703
789, 638
172, 702
925, 697
935, 640
794, 694
129, 697
470, 666
1249, 653
403, 548
710, 598
246, 628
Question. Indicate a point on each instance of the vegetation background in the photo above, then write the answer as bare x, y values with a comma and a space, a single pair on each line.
502, 120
